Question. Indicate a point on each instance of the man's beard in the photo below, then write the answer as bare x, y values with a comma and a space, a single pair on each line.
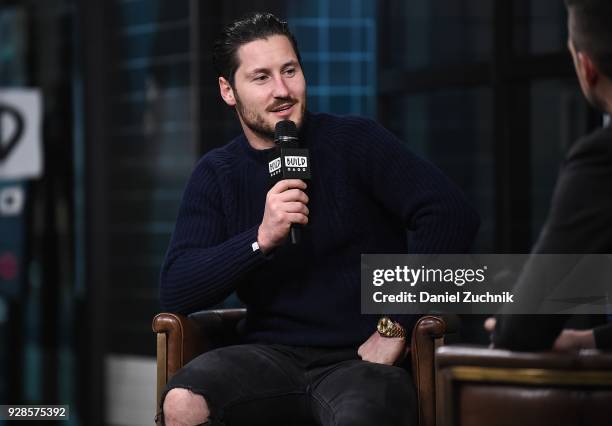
258, 124
255, 122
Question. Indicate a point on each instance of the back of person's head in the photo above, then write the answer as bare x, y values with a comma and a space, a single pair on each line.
591, 31
252, 27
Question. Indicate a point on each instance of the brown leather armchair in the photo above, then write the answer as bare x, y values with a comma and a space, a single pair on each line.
479, 386
180, 339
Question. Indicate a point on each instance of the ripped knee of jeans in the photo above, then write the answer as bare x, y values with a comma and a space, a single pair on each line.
212, 419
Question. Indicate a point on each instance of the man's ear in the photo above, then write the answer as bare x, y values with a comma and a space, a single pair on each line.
589, 70
227, 92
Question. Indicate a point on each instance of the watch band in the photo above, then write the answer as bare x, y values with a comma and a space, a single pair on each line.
387, 328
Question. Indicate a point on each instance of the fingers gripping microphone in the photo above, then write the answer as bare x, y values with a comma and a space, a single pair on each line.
288, 161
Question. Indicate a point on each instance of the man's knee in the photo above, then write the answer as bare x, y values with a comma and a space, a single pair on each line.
184, 408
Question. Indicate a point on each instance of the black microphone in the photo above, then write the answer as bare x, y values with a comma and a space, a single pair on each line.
288, 161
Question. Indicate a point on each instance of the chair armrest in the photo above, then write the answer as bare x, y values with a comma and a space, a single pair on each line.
188, 337
181, 338
427, 335
478, 385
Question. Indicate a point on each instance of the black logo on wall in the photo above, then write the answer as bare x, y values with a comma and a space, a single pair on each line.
10, 141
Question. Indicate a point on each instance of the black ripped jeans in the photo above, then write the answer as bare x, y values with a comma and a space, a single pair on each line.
259, 384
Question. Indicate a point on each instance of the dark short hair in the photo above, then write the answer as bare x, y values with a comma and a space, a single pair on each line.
592, 30
252, 27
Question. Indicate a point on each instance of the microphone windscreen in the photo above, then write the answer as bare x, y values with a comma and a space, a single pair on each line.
285, 129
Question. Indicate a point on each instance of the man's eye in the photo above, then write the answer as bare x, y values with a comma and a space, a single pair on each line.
260, 78
290, 71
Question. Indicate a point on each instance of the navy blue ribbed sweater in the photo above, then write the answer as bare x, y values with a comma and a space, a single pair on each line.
367, 190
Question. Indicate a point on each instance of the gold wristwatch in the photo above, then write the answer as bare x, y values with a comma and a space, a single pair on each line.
388, 328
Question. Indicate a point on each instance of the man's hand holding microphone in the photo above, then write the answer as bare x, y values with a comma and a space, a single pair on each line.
286, 206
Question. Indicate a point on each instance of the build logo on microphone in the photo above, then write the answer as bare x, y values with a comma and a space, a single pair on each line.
296, 163
274, 166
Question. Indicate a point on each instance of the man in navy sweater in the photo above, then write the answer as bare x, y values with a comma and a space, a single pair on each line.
308, 353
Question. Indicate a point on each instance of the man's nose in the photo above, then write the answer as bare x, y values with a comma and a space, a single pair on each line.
280, 88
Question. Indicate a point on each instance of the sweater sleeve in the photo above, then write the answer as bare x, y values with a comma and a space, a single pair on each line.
203, 264
427, 202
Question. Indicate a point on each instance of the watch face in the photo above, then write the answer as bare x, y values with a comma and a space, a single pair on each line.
385, 325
